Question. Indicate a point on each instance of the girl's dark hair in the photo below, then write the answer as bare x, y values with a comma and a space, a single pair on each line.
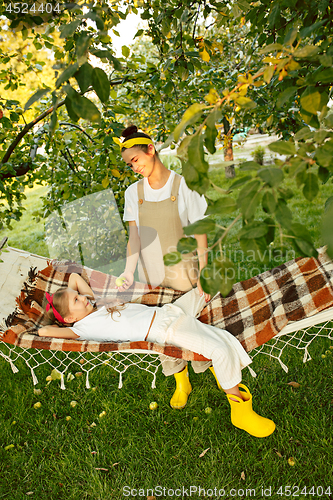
131, 132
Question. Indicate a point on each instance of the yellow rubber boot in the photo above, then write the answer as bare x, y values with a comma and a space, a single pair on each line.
213, 372
243, 416
183, 389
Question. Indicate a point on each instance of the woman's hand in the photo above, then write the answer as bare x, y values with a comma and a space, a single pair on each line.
207, 296
129, 278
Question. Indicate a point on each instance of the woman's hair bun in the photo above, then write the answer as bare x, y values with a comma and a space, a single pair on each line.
131, 130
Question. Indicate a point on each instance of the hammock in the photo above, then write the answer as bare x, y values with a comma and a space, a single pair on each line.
282, 304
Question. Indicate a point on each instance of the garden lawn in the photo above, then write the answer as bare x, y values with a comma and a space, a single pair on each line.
129, 451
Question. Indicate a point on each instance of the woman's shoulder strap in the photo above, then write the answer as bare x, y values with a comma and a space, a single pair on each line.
141, 195
175, 185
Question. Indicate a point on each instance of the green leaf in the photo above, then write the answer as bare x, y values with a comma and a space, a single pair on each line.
105, 182
268, 73
311, 188
210, 136
84, 76
84, 108
95, 17
191, 115
326, 229
101, 84
219, 276
125, 51
274, 15
196, 154
249, 205
269, 203
222, 206
73, 116
311, 100
67, 74
203, 226
105, 54
53, 123
325, 76
290, 36
272, 176
324, 155
270, 235
256, 249
248, 190
285, 96
172, 258
245, 102
243, 5
303, 240
283, 215
304, 134
213, 117
323, 174
67, 30
326, 60
306, 52
250, 165
309, 118
305, 32
253, 230
37, 95
239, 182
283, 147
187, 245
271, 48
82, 44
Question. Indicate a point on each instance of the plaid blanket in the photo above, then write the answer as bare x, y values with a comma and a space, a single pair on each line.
254, 311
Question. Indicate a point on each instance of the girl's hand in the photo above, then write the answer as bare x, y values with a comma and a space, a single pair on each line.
207, 296
129, 278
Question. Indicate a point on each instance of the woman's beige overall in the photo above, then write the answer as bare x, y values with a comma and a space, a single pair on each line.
160, 230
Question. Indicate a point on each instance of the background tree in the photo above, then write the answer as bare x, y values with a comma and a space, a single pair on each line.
282, 82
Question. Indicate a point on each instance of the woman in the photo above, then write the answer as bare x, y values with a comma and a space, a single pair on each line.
157, 208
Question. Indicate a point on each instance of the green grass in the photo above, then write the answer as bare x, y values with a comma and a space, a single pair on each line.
139, 448
56, 459
27, 234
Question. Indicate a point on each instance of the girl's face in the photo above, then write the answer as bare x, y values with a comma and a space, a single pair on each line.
79, 306
141, 162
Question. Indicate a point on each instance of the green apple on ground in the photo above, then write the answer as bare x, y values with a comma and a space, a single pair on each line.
153, 405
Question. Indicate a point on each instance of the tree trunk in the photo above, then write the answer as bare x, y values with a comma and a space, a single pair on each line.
229, 156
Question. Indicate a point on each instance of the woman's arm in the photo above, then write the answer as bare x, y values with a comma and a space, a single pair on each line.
77, 283
55, 331
133, 252
202, 250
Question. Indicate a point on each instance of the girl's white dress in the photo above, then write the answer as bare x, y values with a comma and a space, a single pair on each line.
174, 324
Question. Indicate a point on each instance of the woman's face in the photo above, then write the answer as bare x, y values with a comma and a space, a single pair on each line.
141, 162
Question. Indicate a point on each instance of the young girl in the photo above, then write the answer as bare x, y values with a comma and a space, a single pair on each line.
170, 324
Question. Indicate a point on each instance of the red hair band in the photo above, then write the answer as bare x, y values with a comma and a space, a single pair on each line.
58, 316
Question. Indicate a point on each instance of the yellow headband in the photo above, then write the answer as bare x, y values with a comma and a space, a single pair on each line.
132, 142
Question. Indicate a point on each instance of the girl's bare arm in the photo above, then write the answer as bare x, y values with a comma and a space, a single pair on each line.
55, 331
77, 283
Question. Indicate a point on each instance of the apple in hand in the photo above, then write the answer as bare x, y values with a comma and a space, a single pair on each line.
120, 281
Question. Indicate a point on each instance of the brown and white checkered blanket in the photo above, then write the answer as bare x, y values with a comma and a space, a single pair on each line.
254, 311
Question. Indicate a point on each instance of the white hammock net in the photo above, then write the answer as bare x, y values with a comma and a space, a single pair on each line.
298, 335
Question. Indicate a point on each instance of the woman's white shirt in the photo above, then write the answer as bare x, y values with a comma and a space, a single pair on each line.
131, 325
191, 206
